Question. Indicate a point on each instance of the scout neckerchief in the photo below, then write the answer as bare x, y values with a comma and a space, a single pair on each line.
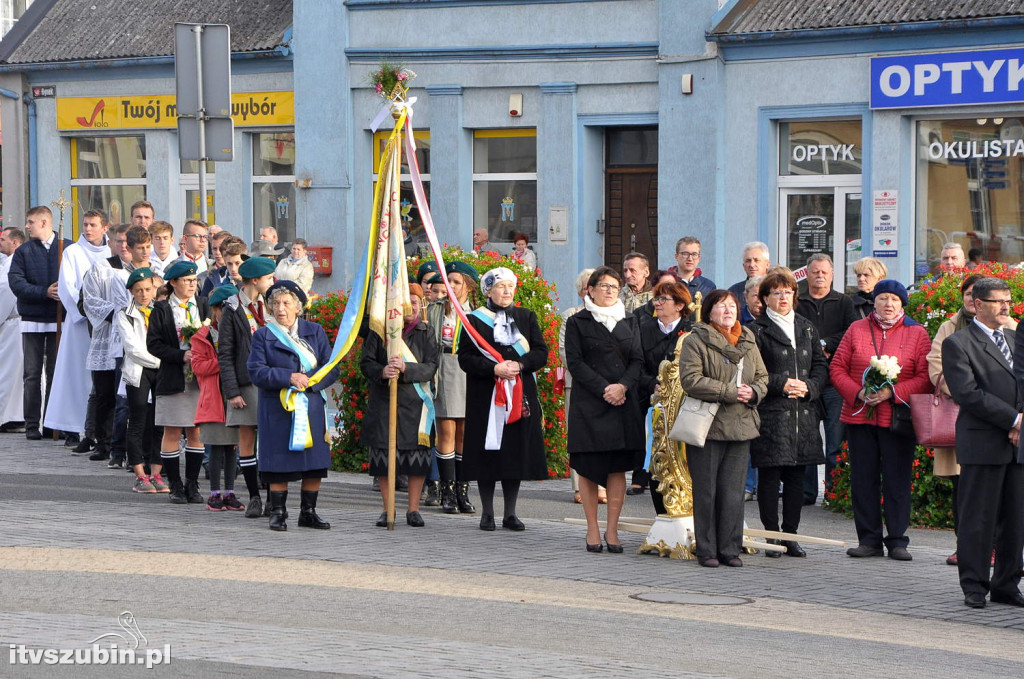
301, 436
509, 399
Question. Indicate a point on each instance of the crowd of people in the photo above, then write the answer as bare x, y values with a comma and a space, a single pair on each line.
167, 354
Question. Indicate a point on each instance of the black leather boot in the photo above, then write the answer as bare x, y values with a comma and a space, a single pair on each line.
307, 514
462, 498
192, 492
278, 513
431, 494
449, 502
178, 496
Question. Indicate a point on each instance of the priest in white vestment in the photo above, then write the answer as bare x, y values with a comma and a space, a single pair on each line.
72, 381
11, 368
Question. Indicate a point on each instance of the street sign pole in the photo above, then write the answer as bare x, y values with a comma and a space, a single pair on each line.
197, 31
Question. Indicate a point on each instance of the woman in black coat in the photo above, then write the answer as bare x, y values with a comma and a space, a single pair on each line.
791, 412
415, 371
513, 331
606, 438
659, 336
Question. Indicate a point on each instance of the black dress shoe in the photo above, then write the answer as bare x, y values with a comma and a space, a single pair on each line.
100, 455
770, 553
1015, 599
731, 561
595, 549
382, 522
612, 547
635, 490
793, 548
707, 561
862, 551
414, 519
900, 554
975, 600
513, 523
33, 435
487, 522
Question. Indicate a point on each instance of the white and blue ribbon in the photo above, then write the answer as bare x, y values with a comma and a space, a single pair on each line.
649, 429
301, 437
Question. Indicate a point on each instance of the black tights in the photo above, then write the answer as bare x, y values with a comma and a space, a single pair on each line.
509, 490
222, 457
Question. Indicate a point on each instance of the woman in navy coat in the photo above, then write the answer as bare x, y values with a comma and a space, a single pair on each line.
275, 364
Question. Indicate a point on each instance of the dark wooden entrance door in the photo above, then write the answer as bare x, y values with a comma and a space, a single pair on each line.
631, 206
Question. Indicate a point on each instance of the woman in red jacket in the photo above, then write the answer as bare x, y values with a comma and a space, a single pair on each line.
880, 460
219, 439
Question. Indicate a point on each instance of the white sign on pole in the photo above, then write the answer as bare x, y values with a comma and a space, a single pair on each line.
884, 223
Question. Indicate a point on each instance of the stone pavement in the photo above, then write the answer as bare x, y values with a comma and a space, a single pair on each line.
111, 543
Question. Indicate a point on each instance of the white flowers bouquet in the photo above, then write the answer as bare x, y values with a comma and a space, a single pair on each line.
882, 371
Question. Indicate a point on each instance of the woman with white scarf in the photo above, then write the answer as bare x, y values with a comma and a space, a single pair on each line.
791, 411
496, 449
606, 437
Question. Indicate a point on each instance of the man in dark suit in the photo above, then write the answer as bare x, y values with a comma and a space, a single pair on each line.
978, 365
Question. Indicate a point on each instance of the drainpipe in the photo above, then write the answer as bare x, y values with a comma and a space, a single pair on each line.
33, 159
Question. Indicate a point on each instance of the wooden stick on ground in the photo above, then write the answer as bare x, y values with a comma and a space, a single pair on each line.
392, 449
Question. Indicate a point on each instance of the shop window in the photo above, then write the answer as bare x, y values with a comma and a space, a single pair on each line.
505, 183
273, 183
189, 182
416, 237
970, 189
820, 147
107, 173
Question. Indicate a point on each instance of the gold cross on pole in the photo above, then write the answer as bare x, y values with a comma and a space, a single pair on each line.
62, 204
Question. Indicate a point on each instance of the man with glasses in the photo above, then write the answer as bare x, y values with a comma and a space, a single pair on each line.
195, 240
686, 269
831, 313
983, 378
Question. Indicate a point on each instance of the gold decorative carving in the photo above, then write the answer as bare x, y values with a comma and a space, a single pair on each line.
677, 551
668, 457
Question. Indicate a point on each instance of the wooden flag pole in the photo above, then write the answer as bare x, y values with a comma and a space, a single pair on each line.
392, 448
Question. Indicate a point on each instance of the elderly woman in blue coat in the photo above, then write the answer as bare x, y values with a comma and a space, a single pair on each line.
286, 352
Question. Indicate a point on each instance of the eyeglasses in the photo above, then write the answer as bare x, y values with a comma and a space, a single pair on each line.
608, 287
662, 300
1000, 302
189, 281
779, 294
198, 236
688, 255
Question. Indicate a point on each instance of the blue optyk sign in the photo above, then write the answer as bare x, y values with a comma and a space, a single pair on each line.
949, 78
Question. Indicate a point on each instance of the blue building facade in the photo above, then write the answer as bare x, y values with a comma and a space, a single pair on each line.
595, 127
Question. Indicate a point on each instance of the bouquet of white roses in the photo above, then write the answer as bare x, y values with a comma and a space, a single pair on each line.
186, 334
882, 371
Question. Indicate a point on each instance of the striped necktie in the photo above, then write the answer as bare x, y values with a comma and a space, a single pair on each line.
997, 336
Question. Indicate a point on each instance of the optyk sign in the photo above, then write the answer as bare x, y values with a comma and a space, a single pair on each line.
950, 78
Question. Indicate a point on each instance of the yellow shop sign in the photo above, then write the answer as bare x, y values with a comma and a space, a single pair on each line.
157, 111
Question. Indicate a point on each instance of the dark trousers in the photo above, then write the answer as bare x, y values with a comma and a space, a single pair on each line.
792, 478
143, 439
104, 391
991, 510
718, 471
880, 465
40, 350
119, 439
834, 434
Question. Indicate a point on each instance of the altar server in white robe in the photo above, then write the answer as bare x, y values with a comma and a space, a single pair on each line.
71, 379
11, 377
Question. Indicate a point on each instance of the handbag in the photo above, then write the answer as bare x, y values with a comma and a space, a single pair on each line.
934, 417
902, 422
693, 422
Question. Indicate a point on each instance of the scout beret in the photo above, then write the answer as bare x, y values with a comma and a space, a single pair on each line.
179, 269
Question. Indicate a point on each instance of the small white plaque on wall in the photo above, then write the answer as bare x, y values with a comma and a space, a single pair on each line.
558, 223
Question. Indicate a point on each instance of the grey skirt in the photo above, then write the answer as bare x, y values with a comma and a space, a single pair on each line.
450, 402
178, 410
247, 416
216, 434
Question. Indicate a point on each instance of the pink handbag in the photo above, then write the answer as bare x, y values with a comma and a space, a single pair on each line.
934, 418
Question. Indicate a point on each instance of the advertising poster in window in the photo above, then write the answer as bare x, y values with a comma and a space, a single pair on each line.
884, 223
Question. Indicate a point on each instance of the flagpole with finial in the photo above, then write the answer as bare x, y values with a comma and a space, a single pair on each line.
61, 204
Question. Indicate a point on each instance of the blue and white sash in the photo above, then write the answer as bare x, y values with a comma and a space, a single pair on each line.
499, 415
301, 436
427, 412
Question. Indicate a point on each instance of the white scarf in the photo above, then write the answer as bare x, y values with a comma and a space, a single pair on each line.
787, 323
102, 248
608, 316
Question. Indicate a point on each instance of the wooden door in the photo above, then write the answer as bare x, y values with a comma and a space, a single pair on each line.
631, 206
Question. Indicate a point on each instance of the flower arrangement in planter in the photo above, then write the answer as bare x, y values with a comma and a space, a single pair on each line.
350, 392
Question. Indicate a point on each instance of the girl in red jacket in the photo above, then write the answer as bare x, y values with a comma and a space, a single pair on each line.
218, 439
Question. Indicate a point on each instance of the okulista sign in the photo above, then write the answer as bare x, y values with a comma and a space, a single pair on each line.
950, 78
135, 112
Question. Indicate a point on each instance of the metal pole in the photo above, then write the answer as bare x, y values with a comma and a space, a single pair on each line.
197, 31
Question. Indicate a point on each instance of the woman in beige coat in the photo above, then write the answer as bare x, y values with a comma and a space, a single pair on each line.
945, 465
720, 363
